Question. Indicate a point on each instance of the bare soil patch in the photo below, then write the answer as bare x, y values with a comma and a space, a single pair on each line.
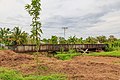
79, 68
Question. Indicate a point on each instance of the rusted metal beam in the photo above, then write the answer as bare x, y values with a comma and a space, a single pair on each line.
55, 47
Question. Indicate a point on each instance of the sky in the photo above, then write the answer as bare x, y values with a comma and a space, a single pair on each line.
82, 17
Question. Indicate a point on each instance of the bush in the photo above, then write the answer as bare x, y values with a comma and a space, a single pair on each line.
112, 46
109, 49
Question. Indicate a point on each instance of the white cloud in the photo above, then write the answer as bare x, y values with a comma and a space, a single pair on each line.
110, 25
83, 17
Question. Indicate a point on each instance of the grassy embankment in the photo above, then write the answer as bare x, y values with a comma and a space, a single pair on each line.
69, 55
107, 54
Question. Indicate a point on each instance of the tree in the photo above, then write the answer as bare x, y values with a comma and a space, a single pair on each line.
72, 40
34, 10
18, 37
80, 40
45, 41
4, 35
102, 39
112, 38
91, 40
62, 40
54, 40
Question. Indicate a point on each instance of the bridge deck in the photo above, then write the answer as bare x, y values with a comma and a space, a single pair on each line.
56, 47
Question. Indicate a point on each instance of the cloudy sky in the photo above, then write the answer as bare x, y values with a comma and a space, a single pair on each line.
82, 17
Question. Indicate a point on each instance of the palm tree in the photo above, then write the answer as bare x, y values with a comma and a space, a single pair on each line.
18, 37
80, 40
102, 39
62, 40
54, 40
72, 40
45, 41
112, 38
91, 40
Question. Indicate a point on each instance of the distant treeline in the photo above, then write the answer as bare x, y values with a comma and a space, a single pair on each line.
17, 36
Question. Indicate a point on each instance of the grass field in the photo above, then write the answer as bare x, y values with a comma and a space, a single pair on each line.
109, 54
66, 56
8, 74
83, 67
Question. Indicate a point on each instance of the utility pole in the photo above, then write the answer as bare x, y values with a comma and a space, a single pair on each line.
64, 28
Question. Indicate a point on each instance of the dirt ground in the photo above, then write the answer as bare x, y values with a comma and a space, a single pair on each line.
79, 68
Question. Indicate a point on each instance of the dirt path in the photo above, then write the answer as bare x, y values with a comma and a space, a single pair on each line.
79, 68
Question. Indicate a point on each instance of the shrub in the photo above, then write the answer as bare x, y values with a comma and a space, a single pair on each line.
112, 46
109, 49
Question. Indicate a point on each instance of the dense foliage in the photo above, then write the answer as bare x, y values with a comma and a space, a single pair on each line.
17, 36
74, 40
13, 37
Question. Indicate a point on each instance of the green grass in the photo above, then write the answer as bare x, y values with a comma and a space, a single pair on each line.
7, 74
66, 56
2, 48
50, 77
109, 54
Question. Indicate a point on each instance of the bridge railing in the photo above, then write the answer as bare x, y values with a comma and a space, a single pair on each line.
54, 47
